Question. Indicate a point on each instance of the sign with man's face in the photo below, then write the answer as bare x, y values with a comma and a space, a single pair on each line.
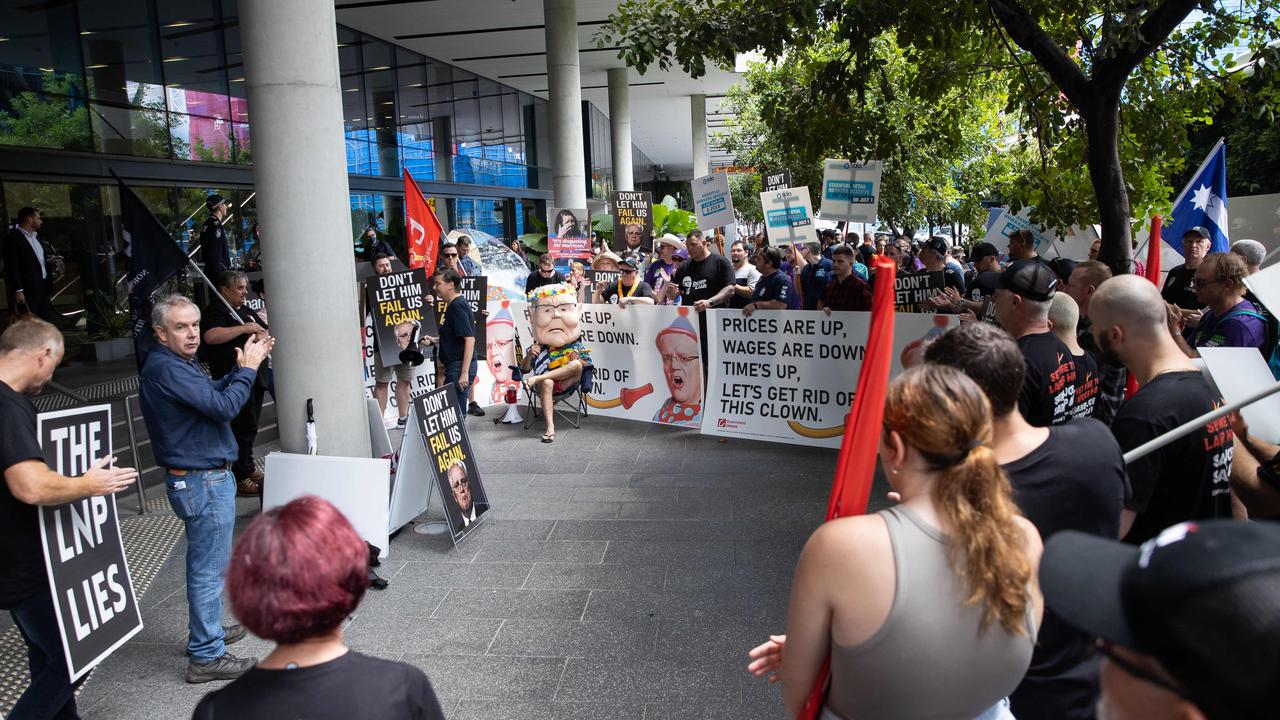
444, 434
632, 221
397, 301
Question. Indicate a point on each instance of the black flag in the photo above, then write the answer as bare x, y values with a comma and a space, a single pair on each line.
153, 258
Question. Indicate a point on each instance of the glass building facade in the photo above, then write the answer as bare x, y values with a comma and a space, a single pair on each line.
154, 89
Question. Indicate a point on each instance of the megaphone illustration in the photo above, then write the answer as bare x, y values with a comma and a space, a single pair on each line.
411, 355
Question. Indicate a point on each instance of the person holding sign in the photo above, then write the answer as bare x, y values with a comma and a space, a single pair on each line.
188, 417
774, 290
457, 333
628, 290
382, 373
30, 350
556, 360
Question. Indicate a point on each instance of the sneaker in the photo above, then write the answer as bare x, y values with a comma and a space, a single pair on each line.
402, 421
475, 409
227, 667
231, 634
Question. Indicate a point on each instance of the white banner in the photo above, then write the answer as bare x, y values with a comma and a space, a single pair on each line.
1004, 223
789, 375
850, 190
647, 363
788, 216
711, 201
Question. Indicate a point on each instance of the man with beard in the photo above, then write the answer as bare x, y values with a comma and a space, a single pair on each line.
1187, 479
1085, 280
678, 345
467, 506
745, 275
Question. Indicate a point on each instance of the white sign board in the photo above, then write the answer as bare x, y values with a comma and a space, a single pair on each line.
1004, 223
711, 201
789, 375
850, 190
359, 487
1239, 373
1265, 284
788, 216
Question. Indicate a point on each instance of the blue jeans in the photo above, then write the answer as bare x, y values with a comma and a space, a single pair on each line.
50, 696
206, 503
453, 372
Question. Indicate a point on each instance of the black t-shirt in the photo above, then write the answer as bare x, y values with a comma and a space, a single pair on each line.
702, 279
1075, 480
982, 288
1049, 388
458, 325
1187, 479
535, 280
1178, 290
953, 279
613, 291
351, 686
21, 558
1088, 386
222, 356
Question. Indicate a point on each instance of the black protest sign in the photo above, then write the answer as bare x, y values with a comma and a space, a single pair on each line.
88, 573
440, 424
632, 221
601, 279
912, 292
776, 181
254, 299
398, 301
474, 289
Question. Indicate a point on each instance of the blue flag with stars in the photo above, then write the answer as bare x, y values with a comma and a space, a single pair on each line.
1203, 203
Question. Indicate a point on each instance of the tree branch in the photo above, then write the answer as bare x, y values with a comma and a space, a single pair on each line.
1029, 36
1114, 71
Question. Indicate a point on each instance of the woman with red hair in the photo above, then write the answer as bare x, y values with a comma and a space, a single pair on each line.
296, 574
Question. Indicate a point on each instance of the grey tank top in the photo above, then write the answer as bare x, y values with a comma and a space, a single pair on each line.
930, 659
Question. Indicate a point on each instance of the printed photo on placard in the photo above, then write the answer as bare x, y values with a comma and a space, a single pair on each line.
88, 572
397, 302
444, 434
506, 335
569, 234
632, 222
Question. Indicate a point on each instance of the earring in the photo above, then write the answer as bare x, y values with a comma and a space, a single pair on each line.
895, 470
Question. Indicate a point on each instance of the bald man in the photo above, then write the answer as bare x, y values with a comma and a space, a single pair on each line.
1064, 317
1188, 479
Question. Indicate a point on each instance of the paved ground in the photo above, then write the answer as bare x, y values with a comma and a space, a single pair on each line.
624, 572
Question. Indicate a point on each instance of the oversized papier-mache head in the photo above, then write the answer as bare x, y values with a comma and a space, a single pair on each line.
555, 315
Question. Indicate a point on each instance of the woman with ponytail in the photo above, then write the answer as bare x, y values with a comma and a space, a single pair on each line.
928, 609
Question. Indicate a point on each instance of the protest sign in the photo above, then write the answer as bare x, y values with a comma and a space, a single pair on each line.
601, 279
910, 292
850, 190
254, 299
711, 201
569, 234
632, 221
506, 328
439, 424
788, 216
647, 363
397, 302
473, 289
1003, 223
423, 375
84, 556
775, 181
789, 375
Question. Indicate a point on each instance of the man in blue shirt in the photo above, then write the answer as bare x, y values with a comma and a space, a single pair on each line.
773, 291
189, 418
815, 275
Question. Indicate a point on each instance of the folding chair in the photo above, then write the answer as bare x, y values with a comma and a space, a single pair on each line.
573, 401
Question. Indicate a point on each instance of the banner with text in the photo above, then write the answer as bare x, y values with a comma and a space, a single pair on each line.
647, 363
84, 556
788, 216
443, 432
912, 292
850, 190
397, 302
423, 376
711, 201
632, 221
775, 181
789, 375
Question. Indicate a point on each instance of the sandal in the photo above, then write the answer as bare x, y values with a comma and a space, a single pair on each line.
248, 487
549, 437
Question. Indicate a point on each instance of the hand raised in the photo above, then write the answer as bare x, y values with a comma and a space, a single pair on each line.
104, 479
255, 350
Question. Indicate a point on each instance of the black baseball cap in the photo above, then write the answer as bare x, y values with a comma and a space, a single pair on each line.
936, 243
630, 261
983, 250
1032, 279
214, 201
1063, 267
1202, 598
1198, 230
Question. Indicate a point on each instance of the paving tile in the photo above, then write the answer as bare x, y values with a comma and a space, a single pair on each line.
711, 606
806, 514
513, 604
678, 510
531, 679
452, 636
568, 551
573, 638
683, 638
715, 576
160, 702
509, 710
660, 552
402, 600
544, 493
474, 575
620, 494
513, 529
541, 510
634, 680
592, 577
554, 478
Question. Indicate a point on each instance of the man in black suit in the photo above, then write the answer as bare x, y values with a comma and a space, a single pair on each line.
26, 266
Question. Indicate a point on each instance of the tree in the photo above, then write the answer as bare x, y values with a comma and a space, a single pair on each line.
1104, 91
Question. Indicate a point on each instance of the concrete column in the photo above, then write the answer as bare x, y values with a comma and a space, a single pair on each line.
698, 120
620, 129
300, 173
564, 90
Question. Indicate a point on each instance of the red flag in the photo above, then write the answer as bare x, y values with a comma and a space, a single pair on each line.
424, 230
856, 464
1152, 274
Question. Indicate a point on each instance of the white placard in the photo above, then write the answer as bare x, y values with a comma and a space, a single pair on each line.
850, 190
1239, 373
411, 488
1265, 284
1004, 222
789, 375
359, 487
711, 201
788, 216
